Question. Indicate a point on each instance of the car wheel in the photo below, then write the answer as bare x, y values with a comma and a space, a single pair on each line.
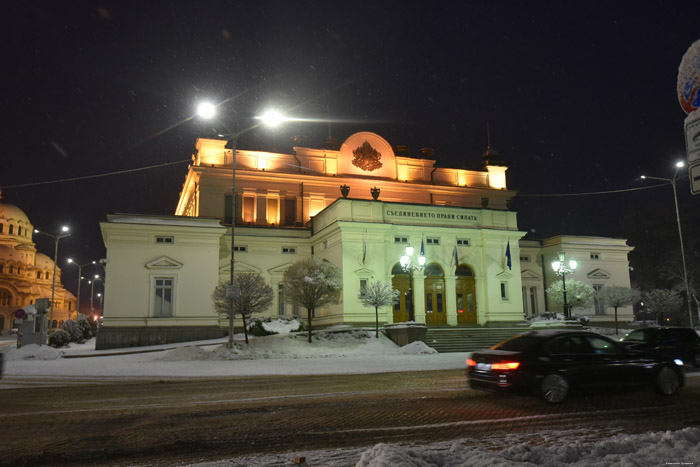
554, 388
667, 381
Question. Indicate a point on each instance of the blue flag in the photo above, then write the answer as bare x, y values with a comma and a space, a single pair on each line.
508, 259
422, 249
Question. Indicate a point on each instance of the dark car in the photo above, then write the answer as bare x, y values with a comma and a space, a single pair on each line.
683, 343
554, 362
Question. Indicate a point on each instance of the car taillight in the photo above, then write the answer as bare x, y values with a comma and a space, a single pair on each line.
471, 362
505, 366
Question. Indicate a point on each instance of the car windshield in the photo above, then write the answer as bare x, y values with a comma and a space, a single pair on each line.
518, 343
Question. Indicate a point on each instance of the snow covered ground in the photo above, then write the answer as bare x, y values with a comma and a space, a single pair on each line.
351, 352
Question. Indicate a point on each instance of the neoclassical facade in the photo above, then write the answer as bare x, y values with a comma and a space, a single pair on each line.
357, 205
26, 274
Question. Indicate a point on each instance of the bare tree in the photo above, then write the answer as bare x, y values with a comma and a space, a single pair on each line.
578, 294
378, 294
616, 296
312, 283
663, 302
255, 296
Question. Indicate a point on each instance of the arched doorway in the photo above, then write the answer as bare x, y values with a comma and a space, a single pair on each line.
434, 284
400, 281
466, 295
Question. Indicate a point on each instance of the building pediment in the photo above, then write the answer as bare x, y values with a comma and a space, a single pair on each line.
364, 272
598, 274
504, 275
278, 270
529, 274
163, 262
242, 268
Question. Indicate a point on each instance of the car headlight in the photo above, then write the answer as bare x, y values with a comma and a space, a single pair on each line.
678, 361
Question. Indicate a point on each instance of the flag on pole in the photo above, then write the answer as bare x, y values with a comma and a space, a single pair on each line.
364, 247
508, 259
422, 248
455, 259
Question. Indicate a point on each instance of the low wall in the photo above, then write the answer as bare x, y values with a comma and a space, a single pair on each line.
116, 338
403, 333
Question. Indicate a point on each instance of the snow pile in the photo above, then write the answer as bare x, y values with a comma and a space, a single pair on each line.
32, 352
325, 344
281, 326
663, 448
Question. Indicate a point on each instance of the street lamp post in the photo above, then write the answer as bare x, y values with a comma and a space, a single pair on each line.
672, 181
80, 279
272, 118
56, 238
92, 291
562, 269
409, 266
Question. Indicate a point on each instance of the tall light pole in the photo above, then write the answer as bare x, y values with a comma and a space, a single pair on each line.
272, 118
80, 279
92, 291
408, 265
672, 181
561, 268
56, 238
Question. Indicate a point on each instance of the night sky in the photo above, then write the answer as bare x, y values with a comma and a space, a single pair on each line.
579, 97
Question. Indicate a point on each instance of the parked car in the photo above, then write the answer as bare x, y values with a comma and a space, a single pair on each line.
683, 343
554, 362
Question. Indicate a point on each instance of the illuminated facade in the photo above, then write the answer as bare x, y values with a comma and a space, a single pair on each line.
25, 274
358, 206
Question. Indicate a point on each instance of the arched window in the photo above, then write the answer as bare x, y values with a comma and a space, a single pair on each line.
12, 229
463, 271
433, 270
2, 227
19, 230
397, 269
47, 275
38, 274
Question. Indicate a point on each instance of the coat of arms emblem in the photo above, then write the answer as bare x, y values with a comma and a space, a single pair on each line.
366, 157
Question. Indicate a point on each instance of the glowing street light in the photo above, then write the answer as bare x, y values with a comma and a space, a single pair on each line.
272, 118
80, 279
672, 181
56, 238
561, 268
408, 265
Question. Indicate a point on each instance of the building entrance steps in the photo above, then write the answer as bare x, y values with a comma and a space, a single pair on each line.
468, 339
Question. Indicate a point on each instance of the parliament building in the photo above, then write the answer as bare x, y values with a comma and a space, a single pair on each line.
358, 205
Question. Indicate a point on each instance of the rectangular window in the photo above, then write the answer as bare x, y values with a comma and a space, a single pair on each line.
439, 303
599, 303
533, 300
240, 249
295, 310
289, 249
463, 242
280, 298
432, 241
504, 290
400, 239
290, 211
429, 303
595, 255
524, 259
363, 285
163, 301
162, 239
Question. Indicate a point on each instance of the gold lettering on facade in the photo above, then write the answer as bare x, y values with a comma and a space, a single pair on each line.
366, 157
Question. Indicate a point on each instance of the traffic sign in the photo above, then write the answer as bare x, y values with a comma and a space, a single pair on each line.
20, 314
694, 173
692, 139
689, 79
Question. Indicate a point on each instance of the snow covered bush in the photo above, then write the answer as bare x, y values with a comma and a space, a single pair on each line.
256, 327
59, 338
74, 330
85, 327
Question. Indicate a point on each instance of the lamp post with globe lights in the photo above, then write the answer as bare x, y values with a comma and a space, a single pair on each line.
672, 182
409, 265
561, 268
57, 238
207, 111
92, 292
80, 279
